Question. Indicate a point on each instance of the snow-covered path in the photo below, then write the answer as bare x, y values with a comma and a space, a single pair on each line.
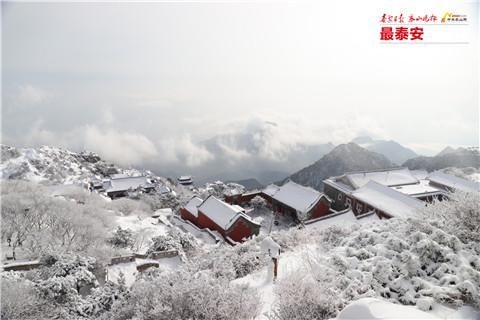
262, 280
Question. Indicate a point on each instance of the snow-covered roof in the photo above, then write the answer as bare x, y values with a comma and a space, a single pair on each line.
454, 182
419, 189
185, 178
222, 213
336, 219
252, 192
192, 205
343, 219
419, 174
391, 177
271, 189
126, 183
392, 202
297, 197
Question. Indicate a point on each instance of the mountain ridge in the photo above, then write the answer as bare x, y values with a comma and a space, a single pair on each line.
394, 151
343, 158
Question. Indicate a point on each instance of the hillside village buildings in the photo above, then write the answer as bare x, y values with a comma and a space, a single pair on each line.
341, 189
120, 185
383, 194
355, 196
230, 221
300, 202
450, 182
394, 192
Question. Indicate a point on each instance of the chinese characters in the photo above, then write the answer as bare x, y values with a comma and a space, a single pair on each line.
401, 33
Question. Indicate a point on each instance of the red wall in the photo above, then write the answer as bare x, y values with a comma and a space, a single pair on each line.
241, 229
321, 209
185, 214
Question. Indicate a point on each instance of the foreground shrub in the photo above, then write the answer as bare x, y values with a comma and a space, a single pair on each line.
182, 295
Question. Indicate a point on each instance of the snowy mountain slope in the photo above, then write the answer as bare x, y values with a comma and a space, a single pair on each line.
344, 158
460, 158
52, 164
56, 166
393, 150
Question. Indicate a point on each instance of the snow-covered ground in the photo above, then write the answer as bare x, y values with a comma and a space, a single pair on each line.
378, 309
297, 262
202, 236
130, 272
144, 229
262, 280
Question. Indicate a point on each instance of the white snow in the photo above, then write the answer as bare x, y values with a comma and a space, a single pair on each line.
270, 247
144, 229
379, 309
388, 200
342, 219
297, 197
419, 174
222, 213
163, 212
130, 272
393, 177
418, 189
376, 309
271, 189
454, 182
288, 264
126, 183
208, 238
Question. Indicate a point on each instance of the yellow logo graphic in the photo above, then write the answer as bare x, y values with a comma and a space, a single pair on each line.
451, 17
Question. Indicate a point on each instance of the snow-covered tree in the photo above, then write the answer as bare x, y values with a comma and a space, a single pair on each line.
184, 295
122, 238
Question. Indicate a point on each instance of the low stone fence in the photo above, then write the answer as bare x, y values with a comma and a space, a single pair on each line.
122, 259
147, 265
163, 254
22, 266
154, 256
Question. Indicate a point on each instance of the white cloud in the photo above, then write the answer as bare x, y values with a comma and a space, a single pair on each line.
275, 137
124, 148
182, 151
29, 95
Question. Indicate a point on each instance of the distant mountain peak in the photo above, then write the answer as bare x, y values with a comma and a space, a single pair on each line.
343, 158
391, 149
447, 150
448, 157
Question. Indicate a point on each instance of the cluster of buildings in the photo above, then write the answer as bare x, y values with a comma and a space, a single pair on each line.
235, 225
119, 185
365, 195
397, 192
382, 194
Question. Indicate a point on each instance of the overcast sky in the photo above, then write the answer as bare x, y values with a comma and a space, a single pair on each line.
145, 82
